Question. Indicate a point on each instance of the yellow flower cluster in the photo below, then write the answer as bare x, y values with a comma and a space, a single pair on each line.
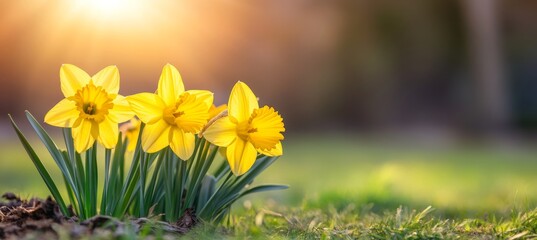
173, 116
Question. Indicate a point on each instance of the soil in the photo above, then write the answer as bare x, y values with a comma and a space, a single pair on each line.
42, 219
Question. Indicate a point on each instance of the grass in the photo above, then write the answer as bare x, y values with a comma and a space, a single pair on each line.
342, 187
353, 223
458, 181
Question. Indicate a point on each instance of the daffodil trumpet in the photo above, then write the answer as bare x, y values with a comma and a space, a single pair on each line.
159, 149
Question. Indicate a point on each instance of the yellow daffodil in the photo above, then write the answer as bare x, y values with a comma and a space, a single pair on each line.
214, 110
131, 131
215, 113
247, 130
92, 107
172, 116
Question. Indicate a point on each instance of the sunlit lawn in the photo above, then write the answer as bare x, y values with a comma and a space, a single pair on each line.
335, 173
341, 170
471, 179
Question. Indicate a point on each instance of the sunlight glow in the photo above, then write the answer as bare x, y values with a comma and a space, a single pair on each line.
127, 33
112, 9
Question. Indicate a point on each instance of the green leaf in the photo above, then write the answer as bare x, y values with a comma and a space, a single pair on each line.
76, 182
61, 161
49, 144
90, 201
230, 199
222, 170
230, 189
169, 203
52, 148
153, 185
129, 189
203, 164
195, 174
212, 203
72, 199
116, 177
206, 191
130, 183
180, 177
263, 188
41, 169
105, 197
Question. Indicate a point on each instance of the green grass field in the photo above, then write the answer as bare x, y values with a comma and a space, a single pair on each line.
351, 188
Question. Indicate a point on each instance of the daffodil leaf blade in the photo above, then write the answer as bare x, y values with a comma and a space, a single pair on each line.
207, 189
105, 193
49, 144
91, 181
201, 169
115, 181
41, 169
222, 170
264, 188
71, 195
154, 182
259, 166
231, 191
72, 161
128, 191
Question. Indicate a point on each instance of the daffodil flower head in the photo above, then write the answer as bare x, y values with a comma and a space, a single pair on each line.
131, 131
172, 116
247, 130
92, 107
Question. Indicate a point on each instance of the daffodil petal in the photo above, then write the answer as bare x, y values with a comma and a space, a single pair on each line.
132, 144
170, 84
206, 96
214, 110
83, 136
147, 106
108, 133
276, 151
72, 79
182, 143
108, 78
242, 102
222, 132
121, 112
63, 114
131, 132
156, 136
241, 156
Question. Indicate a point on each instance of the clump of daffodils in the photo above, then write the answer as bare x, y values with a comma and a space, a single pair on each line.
159, 162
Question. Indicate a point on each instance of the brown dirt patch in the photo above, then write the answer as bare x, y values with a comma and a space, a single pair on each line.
42, 219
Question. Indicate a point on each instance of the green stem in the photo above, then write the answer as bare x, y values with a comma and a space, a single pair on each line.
87, 188
168, 198
104, 199
92, 180
181, 180
143, 166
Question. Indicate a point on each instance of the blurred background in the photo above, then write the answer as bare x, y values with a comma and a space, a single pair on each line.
367, 84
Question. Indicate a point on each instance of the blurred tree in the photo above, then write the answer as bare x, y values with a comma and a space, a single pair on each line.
398, 63
482, 20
